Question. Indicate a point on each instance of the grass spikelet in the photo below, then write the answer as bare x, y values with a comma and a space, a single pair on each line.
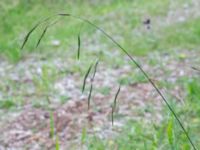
95, 69
44, 31
79, 46
85, 78
28, 35
90, 94
114, 104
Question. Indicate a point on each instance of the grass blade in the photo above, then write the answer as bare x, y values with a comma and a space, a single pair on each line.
114, 104
42, 35
79, 42
85, 78
91, 86
44, 31
95, 69
64, 14
37, 25
28, 34
79, 46
89, 96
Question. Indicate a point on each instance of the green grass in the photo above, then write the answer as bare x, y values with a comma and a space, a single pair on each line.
6, 104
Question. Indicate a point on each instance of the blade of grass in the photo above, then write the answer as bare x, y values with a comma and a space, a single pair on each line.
90, 94
91, 86
85, 78
95, 69
28, 34
42, 35
79, 46
37, 25
114, 104
33, 29
63, 14
79, 42
44, 31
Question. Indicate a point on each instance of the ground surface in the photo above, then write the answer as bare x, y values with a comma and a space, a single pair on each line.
40, 89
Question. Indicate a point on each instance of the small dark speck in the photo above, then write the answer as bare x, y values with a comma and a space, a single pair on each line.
46, 115
147, 21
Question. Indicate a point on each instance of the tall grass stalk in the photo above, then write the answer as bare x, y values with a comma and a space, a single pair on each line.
126, 53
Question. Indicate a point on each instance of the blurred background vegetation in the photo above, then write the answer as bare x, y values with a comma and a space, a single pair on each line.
122, 19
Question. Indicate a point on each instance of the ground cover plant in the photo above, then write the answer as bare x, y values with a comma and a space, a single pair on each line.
49, 91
